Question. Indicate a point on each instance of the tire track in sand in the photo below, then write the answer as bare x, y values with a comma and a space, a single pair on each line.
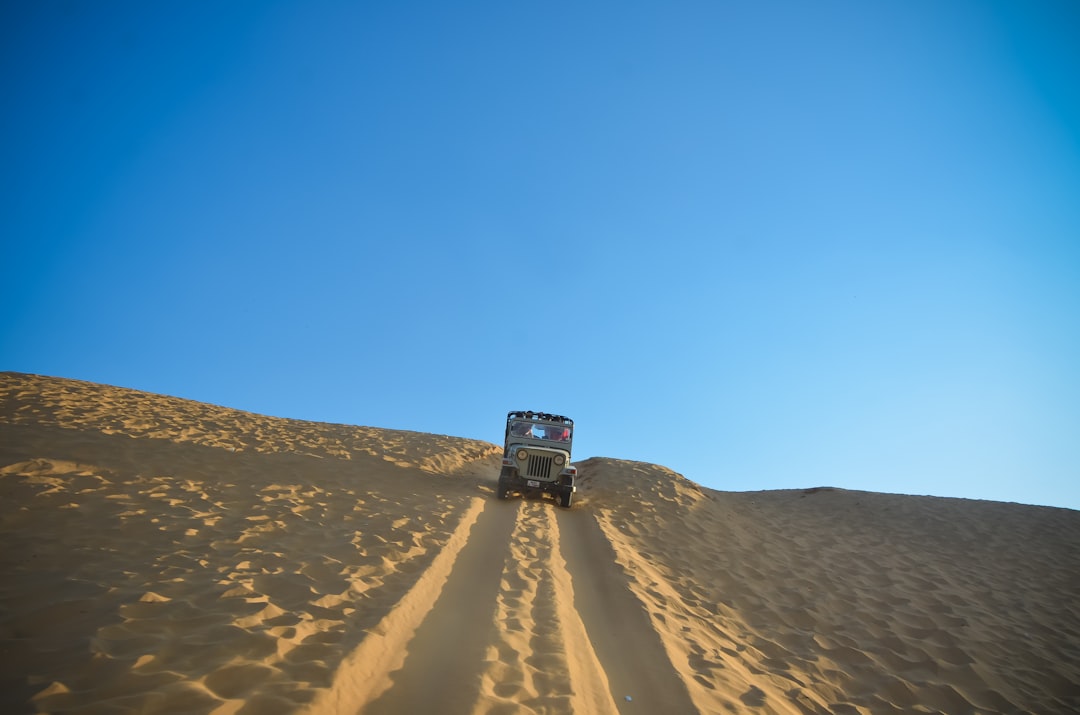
524, 611
365, 674
618, 625
439, 672
540, 659
503, 636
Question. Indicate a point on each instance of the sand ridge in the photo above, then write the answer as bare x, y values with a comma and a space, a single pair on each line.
161, 555
824, 600
76, 404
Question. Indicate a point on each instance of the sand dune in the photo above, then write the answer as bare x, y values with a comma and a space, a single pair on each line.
162, 555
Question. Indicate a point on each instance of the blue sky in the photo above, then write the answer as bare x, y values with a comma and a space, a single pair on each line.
769, 245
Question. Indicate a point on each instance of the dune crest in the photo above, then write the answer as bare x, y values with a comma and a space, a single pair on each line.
163, 555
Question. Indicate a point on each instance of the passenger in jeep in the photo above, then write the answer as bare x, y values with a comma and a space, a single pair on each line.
557, 434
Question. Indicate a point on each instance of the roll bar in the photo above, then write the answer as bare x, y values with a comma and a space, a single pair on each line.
558, 419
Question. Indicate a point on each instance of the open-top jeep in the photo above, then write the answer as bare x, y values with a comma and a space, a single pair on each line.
536, 456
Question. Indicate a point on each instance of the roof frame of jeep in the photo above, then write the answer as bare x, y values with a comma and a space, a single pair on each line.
558, 419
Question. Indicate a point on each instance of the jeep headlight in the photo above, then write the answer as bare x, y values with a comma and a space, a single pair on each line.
522, 454
559, 459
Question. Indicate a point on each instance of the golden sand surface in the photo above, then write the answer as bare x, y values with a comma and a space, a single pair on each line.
166, 556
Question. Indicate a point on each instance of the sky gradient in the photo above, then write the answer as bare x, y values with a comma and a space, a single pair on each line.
768, 245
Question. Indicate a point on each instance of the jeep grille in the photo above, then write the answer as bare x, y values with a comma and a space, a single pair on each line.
539, 466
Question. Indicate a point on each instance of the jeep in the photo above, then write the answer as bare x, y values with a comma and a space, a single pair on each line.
536, 456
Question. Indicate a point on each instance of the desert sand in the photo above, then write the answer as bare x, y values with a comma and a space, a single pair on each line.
166, 556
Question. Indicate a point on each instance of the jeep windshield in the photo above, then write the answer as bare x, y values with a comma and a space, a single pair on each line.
550, 433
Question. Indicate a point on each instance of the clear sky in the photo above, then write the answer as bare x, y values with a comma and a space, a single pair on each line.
766, 244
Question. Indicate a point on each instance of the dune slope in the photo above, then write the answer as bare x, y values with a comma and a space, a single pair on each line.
162, 555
